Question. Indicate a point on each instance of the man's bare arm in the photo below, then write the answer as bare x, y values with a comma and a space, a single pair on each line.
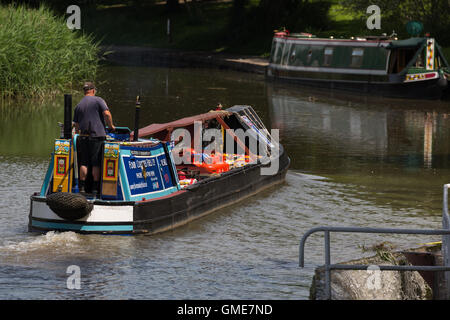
108, 118
76, 126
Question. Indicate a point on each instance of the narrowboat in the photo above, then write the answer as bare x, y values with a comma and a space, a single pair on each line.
161, 176
410, 68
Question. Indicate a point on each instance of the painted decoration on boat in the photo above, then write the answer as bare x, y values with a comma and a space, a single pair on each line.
62, 158
62, 147
430, 54
421, 76
110, 165
111, 150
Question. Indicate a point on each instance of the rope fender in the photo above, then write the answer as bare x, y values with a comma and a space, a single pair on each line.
69, 206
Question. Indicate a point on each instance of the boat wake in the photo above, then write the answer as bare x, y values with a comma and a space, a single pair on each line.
307, 176
51, 240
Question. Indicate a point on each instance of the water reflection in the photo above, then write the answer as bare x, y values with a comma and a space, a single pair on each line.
342, 133
392, 153
429, 125
28, 127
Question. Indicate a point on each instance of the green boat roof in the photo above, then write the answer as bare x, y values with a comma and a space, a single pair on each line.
407, 43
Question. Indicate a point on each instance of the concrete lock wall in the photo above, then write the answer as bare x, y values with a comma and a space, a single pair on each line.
373, 284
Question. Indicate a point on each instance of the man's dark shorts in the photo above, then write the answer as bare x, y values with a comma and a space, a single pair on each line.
90, 150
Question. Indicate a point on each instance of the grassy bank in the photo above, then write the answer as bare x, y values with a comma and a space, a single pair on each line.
39, 55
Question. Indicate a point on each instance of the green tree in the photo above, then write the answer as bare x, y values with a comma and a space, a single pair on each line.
295, 15
434, 14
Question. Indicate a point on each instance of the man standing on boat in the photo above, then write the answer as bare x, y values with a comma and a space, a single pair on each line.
89, 120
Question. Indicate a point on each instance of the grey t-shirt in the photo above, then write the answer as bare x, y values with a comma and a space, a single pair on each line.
89, 116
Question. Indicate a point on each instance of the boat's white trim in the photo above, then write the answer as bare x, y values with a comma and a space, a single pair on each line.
329, 80
99, 213
325, 42
329, 70
110, 214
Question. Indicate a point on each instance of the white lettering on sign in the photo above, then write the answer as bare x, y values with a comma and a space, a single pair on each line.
138, 185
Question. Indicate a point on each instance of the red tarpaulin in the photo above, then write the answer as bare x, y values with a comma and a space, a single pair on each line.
184, 122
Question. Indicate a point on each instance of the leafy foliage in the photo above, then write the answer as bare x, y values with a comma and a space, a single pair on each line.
39, 54
395, 14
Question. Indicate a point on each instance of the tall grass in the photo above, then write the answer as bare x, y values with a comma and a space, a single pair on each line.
39, 55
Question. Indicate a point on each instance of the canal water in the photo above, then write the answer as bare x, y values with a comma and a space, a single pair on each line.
356, 161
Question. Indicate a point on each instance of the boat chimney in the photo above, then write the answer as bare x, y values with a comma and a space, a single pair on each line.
136, 119
67, 116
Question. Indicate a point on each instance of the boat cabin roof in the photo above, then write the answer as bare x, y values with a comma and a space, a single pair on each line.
407, 43
312, 38
391, 42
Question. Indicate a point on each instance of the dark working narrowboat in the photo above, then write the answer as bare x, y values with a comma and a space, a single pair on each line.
144, 190
386, 66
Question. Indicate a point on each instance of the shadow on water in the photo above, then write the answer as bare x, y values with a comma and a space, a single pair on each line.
369, 129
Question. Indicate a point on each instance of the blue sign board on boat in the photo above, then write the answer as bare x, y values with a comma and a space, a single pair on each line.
145, 173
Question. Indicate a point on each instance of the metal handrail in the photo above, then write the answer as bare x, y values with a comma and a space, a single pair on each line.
446, 238
444, 232
328, 266
445, 216
328, 229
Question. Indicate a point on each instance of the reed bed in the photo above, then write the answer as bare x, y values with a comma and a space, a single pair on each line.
40, 55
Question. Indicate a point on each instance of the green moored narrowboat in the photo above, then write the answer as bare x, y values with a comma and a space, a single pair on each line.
411, 68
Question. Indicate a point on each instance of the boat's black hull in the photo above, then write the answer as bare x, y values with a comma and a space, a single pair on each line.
159, 215
206, 196
427, 89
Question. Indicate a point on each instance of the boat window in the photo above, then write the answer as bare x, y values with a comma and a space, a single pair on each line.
292, 57
279, 53
285, 58
272, 52
327, 56
357, 57
420, 62
309, 56
298, 54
